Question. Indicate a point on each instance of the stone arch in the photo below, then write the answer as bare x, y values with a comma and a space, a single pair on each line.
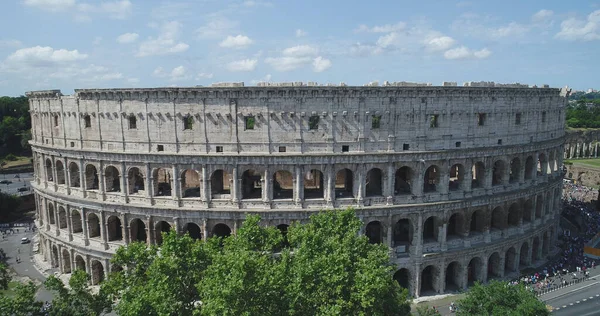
79, 263
60, 172
112, 179
221, 230
478, 224
135, 180
193, 230
374, 185
431, 229
429, 279
220, 184
535, 248
159, 228
93, 225
510, 261
515, 169
163, 179
478, 175
62, 218
457, 177
527, 210
456, 226
403, 181
344, 184
74, 175
51, 220
524, 255
313, 184
498, 172
114, 228
402, 276
76, 221
283, 185
138, 232
495, 267
91, 177
454, 276
431, 179
374, 231
49, 176
251, 184
403, 232
190, 183
514, 215
66, 261
539, 204
475, 271
529, 168
498, 218
542, 164
97, 272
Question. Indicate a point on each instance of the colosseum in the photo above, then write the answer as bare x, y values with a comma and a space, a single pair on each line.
461, 183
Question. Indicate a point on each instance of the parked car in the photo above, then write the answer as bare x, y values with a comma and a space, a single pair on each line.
25, 240
23, 189
5, 181
16, 176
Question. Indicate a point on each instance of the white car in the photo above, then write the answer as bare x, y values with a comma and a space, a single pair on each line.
25, 240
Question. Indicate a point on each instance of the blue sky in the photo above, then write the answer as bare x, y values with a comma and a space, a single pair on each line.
68, 44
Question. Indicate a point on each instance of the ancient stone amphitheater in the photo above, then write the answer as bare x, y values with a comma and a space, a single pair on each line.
461, 183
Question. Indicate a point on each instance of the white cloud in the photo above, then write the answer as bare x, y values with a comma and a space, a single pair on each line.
321, 64
10, 43
159, 72
362, 50
50, 5
440, 43
133, 80
463, 52
388, 40
97, 40
239, 41
242, 65
176, 74
127, 38
216, 27
542, 15
477, 26
204, 75
573, 29
387, 28
301, 33
39, 56
119, 9
288, 63
266, 78
300, 51
165, 43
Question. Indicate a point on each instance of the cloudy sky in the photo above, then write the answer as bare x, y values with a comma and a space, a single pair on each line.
68, 44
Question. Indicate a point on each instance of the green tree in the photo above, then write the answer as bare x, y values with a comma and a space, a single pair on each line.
427, 311
4, 276
22, 303
78, 300
500, 298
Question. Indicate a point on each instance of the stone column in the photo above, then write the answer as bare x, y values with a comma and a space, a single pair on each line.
124, 181
103, 231
125, 228
502, 263
69, 222
298, 189
389, 184
82, 184
596, 151
441, 281
204, 229
60, 265
205, 197
390, 232
148, 182
176, 192
360, 178
484, 269
442, 230
101, 184
571, 151
522, 171
267, 191
235, 185
488, 177
444, 179
529, 253
84, 227
176, 225
464, 275
535, 163
418, 239
54, 177
417, 279
56, 218
330, 186
468, 178
418, 182
506, 174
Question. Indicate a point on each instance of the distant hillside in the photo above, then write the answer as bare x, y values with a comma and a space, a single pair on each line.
582, 95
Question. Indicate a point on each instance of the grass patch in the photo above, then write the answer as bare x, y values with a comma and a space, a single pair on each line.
594, 163
19, 162
11, 289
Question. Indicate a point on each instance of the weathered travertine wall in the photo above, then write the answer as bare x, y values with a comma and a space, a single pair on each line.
582, 143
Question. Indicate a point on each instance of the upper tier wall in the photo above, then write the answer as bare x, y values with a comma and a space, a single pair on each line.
210, 120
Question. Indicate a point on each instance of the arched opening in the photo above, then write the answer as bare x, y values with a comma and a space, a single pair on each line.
162, 181
527, 211
431, 179
429, 280
510, 260
55, 257
76, 221
283, 185
455, 226
494, 266
498, 172
402, 276
453, 277
374, 231
49, 170
221, 230
478, 223
193, 230
62, 217
514, 215
457, 176
313, 184
220, 185
542, 165
535, 248
97, 272
474, 270
74, 175
552, 162
51, 214
135, 180
190, 183
498, 218
430, 229
60, 172
343, 184
160, 228
539, 204
529, 168
66, 261
93, 225
515, 168
79, 263
478, 180
91, 177
251, 184
403, 232
546, 244
138, 230
403, 181
115, 229
524, 255
111, 179
374, 186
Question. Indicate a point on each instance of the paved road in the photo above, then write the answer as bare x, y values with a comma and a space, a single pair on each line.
22, 181
579, 299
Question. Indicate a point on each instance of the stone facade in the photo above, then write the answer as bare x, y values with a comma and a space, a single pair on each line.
581, 143
461, 183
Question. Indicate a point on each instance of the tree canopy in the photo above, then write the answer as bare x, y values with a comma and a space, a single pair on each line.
15, 123
500, 298
580, 115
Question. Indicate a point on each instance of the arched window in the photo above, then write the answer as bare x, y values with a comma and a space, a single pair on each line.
403, 181
112, 179
138, 230
251, 184
162, 182
190, 183
457, 176
135, 181
60, 172
313, 184
478, 180
343, 184
74, 175
515, 168
374, 185
498, 172
220, 184
431, 180
91, 177
283, 185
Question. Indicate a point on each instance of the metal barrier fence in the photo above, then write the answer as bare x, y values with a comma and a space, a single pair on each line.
555, 287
